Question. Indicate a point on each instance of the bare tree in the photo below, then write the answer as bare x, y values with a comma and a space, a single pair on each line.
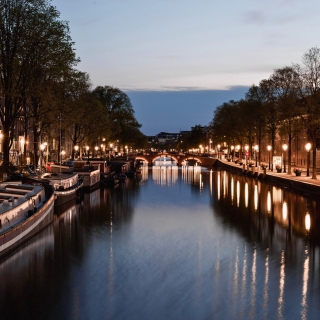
310, 99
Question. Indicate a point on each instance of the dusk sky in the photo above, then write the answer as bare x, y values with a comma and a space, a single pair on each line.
177, 60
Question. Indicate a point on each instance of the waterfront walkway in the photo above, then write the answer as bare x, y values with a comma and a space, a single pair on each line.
299, 182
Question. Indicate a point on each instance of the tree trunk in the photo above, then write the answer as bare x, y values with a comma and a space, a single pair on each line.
36, 146
5, 146
289, 153
314, 163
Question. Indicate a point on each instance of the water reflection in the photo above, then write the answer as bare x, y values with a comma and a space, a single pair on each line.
281, 222
192, 174
210, 245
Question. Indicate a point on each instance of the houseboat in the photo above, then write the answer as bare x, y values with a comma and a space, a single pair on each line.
91, 176
25, 210
67, 185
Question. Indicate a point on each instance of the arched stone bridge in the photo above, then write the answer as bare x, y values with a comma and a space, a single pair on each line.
179, 158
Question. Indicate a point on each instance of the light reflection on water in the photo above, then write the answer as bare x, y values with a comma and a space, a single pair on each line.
172, 244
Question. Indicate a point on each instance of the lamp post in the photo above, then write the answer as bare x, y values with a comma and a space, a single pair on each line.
76, 148
96, 148
42, 146
218, 146
232, 151
269, 149
284, 147
87, 148
256, 148
246, 148
308, 147
63, 153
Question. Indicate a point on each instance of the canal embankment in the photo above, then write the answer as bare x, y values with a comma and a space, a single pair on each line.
302, 184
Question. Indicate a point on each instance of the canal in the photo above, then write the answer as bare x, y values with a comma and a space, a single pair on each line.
171, 244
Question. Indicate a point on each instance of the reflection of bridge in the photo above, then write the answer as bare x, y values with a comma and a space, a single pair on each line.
179, 158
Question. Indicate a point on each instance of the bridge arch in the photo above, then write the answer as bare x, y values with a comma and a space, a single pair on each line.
164, 155
191, 158
143, 159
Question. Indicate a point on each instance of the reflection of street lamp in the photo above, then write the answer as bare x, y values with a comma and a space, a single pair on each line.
256, 148
307, 222
308, 147
284, 147
269, 149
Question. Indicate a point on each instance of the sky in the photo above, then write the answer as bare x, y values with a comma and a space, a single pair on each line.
178, 60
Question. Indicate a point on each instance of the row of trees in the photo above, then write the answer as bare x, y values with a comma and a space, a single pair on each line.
41, 89
286, 103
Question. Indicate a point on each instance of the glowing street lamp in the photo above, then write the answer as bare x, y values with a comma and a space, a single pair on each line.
63, 153
284, 147
269, 149
308, 147
87, 148
42, 147
232, 151
96, 148
246, 147
76, 148
256, 148
218, 146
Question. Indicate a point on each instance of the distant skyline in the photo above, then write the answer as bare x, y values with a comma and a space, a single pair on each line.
172, 111
175, 45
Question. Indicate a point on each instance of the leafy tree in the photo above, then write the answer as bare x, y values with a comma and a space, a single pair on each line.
119, 112
270, 110
31, 34
255, 99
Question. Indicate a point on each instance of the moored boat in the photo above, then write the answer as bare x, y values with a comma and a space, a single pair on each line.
67, 186
25, 210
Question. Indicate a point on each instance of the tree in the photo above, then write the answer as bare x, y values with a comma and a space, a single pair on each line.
120, 113
287, 85
31, 35
270, 110
197, 137
310, 98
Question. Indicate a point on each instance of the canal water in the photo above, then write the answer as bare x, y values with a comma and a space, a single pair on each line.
171, 244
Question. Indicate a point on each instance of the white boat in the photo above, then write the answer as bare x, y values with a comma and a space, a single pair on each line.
91, 176
66, 185
25, 210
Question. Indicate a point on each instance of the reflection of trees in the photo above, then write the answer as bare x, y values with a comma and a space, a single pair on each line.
263, 213
115, 205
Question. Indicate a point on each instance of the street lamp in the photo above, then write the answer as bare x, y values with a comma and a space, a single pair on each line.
269, 149
284, 147
87, 148
42, 147
63, 153
76, 148
246, 147
218, 146
232, 150
96, 148
256, 148
308, 147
